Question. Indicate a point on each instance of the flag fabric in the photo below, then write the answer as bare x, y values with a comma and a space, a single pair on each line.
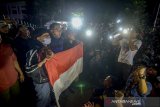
64, 68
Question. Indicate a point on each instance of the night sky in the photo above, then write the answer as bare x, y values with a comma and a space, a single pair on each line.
150, 3
100, 4
93, 8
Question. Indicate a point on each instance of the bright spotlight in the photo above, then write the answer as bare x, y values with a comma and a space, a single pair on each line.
120, 29
88, 32
125, 31
110, 37
76, 22
118, 21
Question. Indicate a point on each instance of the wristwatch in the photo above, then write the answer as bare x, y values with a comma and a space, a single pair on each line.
143, 77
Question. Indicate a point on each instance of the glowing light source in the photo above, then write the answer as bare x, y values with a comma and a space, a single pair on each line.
118, 21
76, 22
125, 31
110, 37
120, 29
89, 32
81, 86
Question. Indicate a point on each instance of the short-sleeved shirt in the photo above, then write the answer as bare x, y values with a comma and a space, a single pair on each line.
8, 73
126, 54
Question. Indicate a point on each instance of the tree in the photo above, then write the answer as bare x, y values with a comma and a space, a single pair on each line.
135, 14
43, 10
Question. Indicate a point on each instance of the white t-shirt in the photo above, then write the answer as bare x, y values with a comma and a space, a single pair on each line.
126, 55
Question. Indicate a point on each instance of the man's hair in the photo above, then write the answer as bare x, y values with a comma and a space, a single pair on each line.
38, 32
53, 25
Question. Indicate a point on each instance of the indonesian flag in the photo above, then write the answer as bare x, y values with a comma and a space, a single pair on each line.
64, 68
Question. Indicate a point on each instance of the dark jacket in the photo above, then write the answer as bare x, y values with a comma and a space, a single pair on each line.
39, 75
6, 38
56, 44
22, 46
68, 45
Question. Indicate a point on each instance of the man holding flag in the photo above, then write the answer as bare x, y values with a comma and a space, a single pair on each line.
64, 68
58, 70
35, 68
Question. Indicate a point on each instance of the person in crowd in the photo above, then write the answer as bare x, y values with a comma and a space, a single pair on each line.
108, 86
12, 27
153, 78
100, 95
148, 55
156, 87
4, 32
64, 30
137, 86
10, 75
57, 40
96, 65
129, 46
31, 31
23, 43
35, 68
70, 41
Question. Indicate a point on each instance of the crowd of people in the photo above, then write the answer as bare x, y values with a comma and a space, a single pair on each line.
24, 51
23, 57
131, 67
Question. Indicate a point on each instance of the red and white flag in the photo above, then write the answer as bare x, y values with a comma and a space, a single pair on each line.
64, 68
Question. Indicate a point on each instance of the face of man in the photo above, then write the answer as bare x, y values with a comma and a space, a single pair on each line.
4, 29
71, 36
56, 31
133, 34
24, 32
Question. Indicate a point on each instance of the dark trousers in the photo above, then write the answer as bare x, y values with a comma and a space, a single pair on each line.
123, 72
10, 97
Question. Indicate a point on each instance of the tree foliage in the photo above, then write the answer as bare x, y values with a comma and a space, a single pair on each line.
135, 13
